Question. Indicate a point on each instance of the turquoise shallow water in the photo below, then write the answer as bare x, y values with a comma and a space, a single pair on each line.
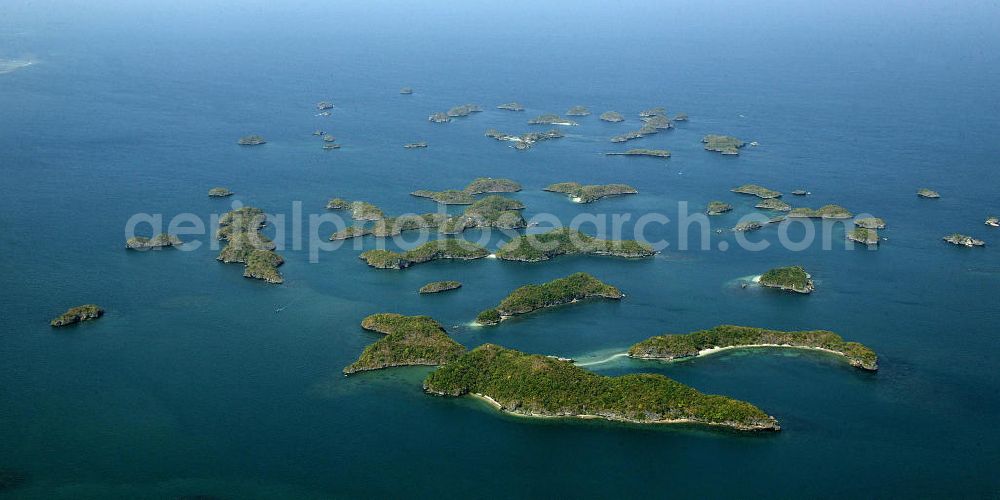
194, 384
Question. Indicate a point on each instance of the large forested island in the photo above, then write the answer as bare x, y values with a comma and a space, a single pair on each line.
491, 211
409, 340
793, 278
448, 248
728, 336
580, 193
566, 241
245, 244
528, 298
535, 385
86, 312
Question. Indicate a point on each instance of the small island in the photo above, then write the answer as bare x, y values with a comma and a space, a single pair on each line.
448, 197
700, 343
628, 136
993, 222
747, 226
792, 278
758, 191
681, 117
655, 153
580, 193
511, 106
725, 144
524, 141
439, 118
612, 116
927, 193
551, 120
529, 298
448, 248
251, 140
870, 223
159, 241
360, 210
566, 241
578, 111
440, 286
864, 235
491, 211
406, 91
482, 185
408, 341
824, 212
964, 240
219, 192
245, 244
718, 208
658, 122
773, 204
541, 386
415, 145
391, 226
86, 312
323, 105
463, 110
800, 192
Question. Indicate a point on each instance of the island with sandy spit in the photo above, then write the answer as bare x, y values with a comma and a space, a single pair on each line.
440, 286
406, 91
590, 193
530, 298
993, 221
245, 244
447, 248
161, 240
725, 144
758, 191
551, 120
963, 240
408, 341
524, 141
540, 386
927, 193
415, 145
655, 153
578, 111
864, 235
718, 208
773, 204
612, 116
870, 223
360, 210
251, 140
824, 212
511, 106
724, 337
219, 192
566, 241
791, 278
86, 312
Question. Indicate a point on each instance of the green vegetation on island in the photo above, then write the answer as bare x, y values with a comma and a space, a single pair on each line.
482, 185
773, 204
758, 191
447, 197
463, 110
360, 210
824, 212
718, 208
446, 248
656, 153
86, 312
612, 116
566, 241
251, 140
511, 106
528, 298
524, 141
658, 122
964, 240
927, 193
793, 278
408, 341
491, 211
747, 226
669, 347
864, 236
536, 385
580, 193
219, 192
440, 286
159, 241
578, 111
245, 244
870, 223
725, 144
391, 226
551, 120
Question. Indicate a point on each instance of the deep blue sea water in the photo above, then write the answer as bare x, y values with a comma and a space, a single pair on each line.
193, 384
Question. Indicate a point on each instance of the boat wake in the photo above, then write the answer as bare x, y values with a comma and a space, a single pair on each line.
604, 360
